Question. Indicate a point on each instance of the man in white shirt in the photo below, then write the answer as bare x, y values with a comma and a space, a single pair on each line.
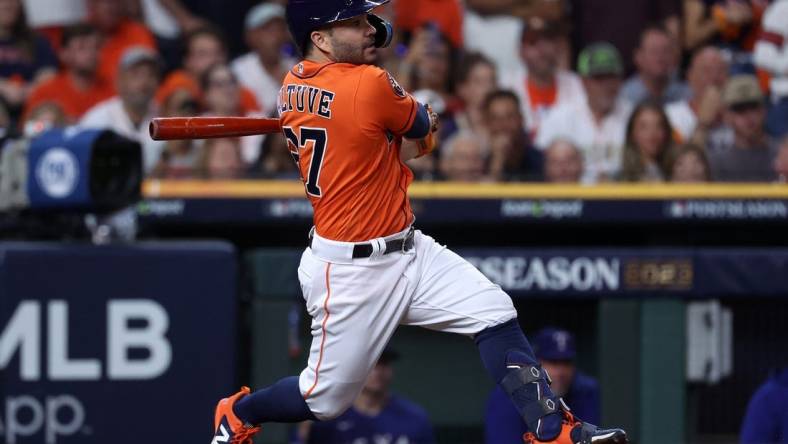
494, 34
771, 54
596, 125
539, 82
263, 69
129, 113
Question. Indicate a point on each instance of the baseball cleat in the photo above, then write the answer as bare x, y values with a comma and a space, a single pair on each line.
578, 432
229, 428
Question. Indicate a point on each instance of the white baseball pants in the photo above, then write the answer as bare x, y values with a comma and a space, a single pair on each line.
356, 305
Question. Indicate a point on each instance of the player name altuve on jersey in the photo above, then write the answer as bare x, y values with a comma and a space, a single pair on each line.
302, 98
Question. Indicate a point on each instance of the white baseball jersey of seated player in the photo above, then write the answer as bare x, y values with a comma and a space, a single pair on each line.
357, 304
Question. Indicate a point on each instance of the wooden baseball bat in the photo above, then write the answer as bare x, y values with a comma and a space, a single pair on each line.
175, 128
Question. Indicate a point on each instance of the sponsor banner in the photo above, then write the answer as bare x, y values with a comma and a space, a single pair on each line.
442, 211
115, 344
635, 272
542, 209
728, 209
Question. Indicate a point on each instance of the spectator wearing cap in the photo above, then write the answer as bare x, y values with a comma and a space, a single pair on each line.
118, 33
129, 113
77, 86
596, 125
377, 415
656, 63
495, 28
766, 419
745, 153
696, 116
555, 349
771, 54
205, 47
263, 69
539, 82
512, 156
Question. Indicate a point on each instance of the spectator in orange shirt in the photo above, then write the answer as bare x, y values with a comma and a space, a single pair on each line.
205, 47
77, 86
447, 14
119, 33
539, 81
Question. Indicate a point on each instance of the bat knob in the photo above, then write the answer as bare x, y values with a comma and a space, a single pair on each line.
153, 129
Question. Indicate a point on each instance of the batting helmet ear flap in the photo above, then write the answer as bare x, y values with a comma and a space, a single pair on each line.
383, 30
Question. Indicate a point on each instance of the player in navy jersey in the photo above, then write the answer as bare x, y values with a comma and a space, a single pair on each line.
377, 415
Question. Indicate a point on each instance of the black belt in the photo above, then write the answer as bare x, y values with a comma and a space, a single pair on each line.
365, 250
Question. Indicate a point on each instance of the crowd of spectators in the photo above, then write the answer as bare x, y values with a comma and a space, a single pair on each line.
560, 91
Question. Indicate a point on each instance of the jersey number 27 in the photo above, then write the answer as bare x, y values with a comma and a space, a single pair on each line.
296, 144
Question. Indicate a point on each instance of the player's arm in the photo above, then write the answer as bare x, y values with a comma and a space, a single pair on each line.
421, 139
382, 106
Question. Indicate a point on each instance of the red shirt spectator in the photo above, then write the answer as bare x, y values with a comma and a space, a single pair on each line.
77, 87
119, 34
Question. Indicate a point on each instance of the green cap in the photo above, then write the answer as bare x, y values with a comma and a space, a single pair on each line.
600, 59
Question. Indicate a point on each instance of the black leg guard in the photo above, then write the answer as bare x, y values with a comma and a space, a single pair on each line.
528, 387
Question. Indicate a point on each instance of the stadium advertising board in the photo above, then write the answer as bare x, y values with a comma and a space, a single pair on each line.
99, 344
712, 272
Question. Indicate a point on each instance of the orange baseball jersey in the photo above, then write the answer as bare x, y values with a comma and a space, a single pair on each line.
344, 125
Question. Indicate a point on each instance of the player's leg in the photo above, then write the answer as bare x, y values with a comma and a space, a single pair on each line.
355, 308
453, 296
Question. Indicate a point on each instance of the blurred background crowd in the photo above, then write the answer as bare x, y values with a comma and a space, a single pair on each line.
553, 91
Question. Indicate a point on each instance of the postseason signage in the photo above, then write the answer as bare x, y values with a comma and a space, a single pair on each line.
114, 344
634, 272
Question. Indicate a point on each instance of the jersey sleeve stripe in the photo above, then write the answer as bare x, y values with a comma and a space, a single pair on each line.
323, 332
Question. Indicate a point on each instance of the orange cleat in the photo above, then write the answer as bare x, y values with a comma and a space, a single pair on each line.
578, 432
229, 428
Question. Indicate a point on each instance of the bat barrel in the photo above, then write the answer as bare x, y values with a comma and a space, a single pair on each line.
178, 128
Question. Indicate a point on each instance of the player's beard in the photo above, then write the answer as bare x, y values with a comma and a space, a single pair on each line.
347, 53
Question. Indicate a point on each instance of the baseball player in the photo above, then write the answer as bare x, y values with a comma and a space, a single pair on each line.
350, 127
